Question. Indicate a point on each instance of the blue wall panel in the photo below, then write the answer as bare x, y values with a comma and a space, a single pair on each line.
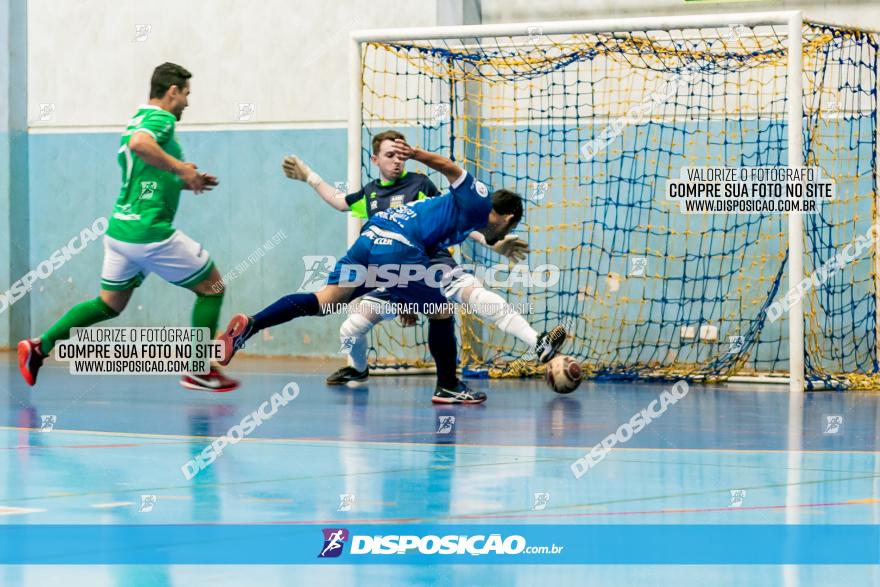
74, 179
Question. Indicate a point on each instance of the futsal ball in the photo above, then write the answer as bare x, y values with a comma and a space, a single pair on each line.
563, 374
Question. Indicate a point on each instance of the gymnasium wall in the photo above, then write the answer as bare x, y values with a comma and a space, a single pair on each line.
286, 60
4, 162
13, 160
268, 80
851, 12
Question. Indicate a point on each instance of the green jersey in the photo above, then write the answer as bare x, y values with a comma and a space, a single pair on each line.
149, 196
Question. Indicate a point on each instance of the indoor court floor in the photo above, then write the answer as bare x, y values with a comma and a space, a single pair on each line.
382, 453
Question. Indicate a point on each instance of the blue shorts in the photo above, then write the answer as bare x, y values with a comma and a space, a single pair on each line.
441, 257
372, 250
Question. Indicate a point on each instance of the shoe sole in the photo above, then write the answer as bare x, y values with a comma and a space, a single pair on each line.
236, 326
554, 349
452, 400
24, 358
337, 382
197, 387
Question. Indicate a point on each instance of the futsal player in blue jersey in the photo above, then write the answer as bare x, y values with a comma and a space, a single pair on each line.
396, 186
405, 235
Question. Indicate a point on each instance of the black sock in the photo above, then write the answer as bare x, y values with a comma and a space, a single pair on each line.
443, 347
285, 310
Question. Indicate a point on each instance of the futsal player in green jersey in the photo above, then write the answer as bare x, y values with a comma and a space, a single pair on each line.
140, 238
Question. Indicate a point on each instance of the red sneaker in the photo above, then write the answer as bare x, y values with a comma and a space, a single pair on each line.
30, 359
213, 381
235, 335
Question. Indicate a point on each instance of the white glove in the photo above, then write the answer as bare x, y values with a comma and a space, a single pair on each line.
295, 168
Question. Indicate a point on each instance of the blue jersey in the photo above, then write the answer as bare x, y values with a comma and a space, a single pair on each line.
440, 222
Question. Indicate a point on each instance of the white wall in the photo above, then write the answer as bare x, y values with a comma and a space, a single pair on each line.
288, 58
864, 13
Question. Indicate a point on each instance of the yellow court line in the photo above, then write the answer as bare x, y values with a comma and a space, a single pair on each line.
361, 443
11, 511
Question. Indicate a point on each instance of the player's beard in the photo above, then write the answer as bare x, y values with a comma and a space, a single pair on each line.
490, 235
494, 233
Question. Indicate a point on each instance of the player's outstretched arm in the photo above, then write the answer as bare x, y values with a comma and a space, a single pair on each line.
295, 168
511, 246
146, 147
444, 165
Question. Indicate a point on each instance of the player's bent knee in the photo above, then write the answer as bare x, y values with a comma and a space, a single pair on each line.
210, 286
116, 300
374, 310
356, 325
459, 289
333, 294
214, 289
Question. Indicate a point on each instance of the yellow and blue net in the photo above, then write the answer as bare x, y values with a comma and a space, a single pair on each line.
646, 291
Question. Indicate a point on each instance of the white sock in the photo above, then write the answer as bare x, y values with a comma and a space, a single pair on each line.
492, 306
356, 327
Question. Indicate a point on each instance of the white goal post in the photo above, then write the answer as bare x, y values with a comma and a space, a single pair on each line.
789, 20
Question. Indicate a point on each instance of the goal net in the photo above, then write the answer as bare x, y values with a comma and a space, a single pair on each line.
589, 127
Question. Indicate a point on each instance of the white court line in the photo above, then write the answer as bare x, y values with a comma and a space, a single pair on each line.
112, 504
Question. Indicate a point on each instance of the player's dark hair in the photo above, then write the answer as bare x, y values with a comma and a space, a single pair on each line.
165, 76
507, 202
385, 135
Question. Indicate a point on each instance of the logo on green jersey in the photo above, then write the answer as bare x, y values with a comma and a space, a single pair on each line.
148, 188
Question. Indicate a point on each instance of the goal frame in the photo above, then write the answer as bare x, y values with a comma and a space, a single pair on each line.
793, 19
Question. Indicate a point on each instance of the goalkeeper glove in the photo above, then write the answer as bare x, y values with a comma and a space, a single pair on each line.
512, 247
295, 168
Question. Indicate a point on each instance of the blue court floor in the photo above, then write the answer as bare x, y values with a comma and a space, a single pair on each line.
382, 453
